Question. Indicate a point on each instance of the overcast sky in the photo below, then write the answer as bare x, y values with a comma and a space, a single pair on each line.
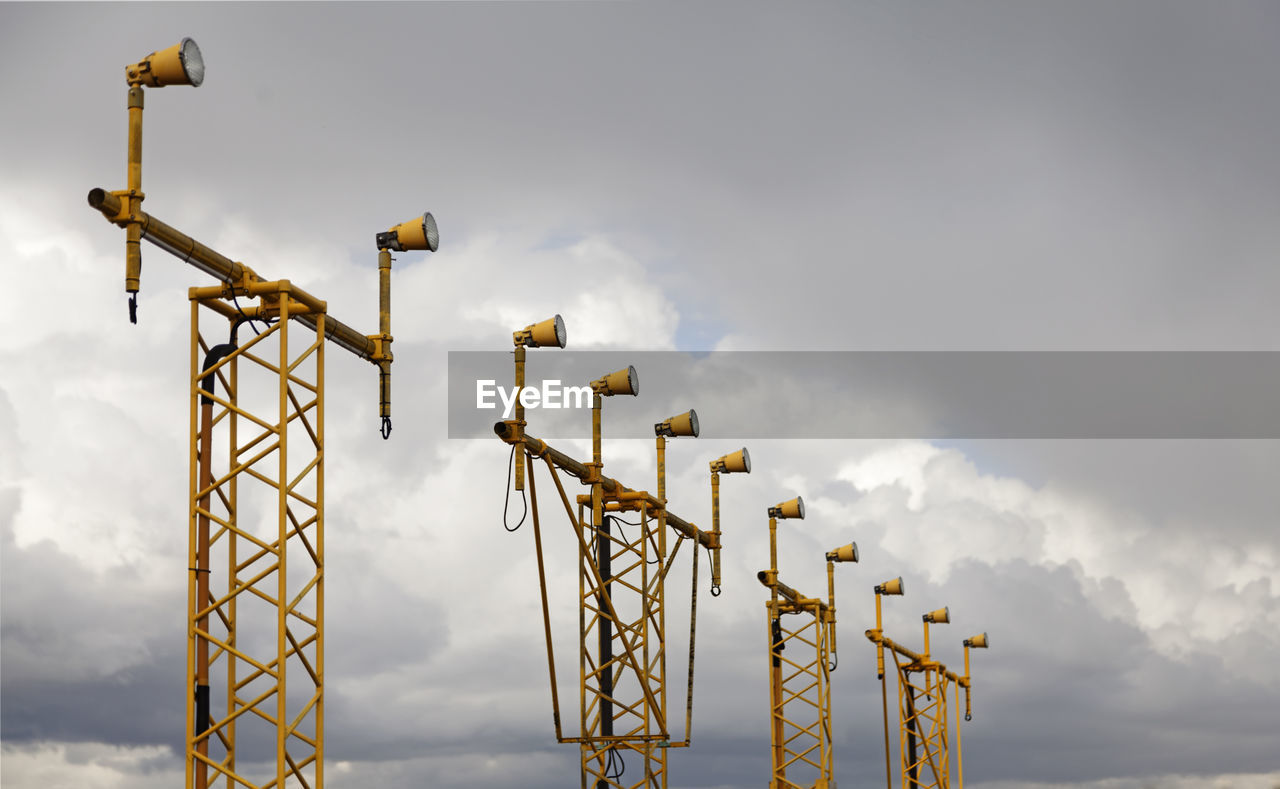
667, 176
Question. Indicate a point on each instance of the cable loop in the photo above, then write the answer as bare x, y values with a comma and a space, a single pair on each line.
511, 462
968, 716
386, 428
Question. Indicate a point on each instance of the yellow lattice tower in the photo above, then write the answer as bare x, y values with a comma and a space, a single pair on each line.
624, 699
256, 494
924, 690
802, 649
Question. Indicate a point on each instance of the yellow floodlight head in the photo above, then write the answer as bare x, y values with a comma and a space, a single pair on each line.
624, 381
684, 425
845, 553
543, 334
788, 509
940, 617
892, 586
180, 64
979, 641
418, 233
734, 462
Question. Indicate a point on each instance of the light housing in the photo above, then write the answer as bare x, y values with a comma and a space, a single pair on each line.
733, 463
543, 334
979, 641
940, 617
892, 586
418, 233
788, 509
684, 425
624, 381
180, 64
845, 553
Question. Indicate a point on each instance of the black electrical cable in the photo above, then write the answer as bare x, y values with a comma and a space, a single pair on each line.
715, 588
623, 534
507, 500
246, 318
614, 762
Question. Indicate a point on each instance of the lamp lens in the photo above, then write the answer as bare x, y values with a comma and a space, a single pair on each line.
693, 422
429, 230
192, 61
561, 335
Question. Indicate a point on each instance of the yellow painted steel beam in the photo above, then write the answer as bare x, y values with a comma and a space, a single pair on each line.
509, 432
237, 277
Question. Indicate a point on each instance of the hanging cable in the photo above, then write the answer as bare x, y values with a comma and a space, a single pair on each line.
511, 462
623, 534
246, 319
715, 588
615, 763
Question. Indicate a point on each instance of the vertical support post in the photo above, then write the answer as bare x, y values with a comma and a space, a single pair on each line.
604, 561
133, 230
715, 531
319, 548
520, 358
282, 537
384, 329
193, 451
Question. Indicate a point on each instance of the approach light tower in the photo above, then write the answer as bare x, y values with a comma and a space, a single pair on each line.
924, 689
800, 679
624, 712
255, 610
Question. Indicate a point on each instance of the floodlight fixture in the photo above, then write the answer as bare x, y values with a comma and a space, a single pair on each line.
845, 553
979, 641
543, 334
940, 617
788, 509
622, 382
892, 586
180, 64
685, 424
418, 233
734, 462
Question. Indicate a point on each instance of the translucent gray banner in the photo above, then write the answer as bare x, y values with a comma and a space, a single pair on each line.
939, 395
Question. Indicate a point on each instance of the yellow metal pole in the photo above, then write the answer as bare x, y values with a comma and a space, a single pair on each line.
831, 605
233, 574
133, 230
282, 536
715, 532
384, 331
959, 747
884, 693
193, 504
662, 469
604, 560
520, 421
319, 506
